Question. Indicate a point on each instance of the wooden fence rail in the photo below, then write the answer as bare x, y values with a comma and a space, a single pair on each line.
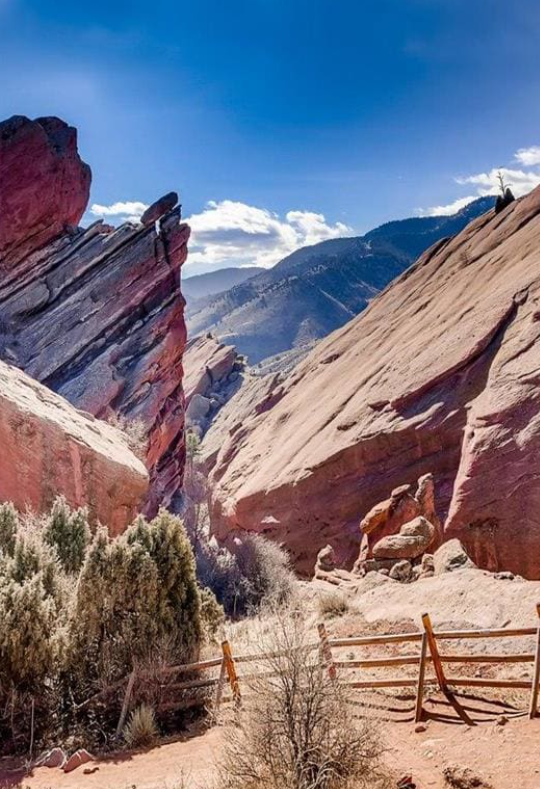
428, 656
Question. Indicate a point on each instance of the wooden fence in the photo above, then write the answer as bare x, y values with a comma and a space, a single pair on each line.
429, 655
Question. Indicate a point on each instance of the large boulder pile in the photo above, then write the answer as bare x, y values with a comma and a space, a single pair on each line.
213, 374
50, 448
95, 313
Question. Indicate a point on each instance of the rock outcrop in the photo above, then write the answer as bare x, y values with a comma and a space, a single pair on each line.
50, 448
95, 314
439, 374
44, 185
213, 374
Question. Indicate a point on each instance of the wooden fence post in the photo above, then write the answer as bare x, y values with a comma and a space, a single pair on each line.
536, 673
125, 704
219, 688
231, 673
326, 652
434, 651
421, 676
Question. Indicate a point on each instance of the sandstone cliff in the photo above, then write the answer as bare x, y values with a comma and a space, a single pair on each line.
50, 448
95, 314
439, 374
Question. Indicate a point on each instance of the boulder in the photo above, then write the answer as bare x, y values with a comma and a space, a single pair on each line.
96, 313
401, 571
326, 560
77, 759
198, 408
159, 208
451, 557
45, 185
53, 758
50, 448
413, 540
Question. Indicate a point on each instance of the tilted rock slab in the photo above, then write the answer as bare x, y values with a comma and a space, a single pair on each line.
441, 373
51, 448
97, 314
44, 184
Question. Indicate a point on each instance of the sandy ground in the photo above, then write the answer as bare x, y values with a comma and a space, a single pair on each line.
505, 756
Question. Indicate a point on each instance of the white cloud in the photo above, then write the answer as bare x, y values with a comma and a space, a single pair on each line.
447, 210
130, 211
234, 233
521, 182
528, 156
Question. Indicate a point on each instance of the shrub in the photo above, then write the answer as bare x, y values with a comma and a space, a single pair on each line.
136, 596
297, 730
9, 523
27, 635
212, 614
332, 604
141, 730
68, 532
257, 571
135, 432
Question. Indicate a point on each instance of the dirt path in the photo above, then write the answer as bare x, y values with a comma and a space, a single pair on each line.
504, 755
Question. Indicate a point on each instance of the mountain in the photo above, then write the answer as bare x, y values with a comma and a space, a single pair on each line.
203, 285
319, 288
440, 374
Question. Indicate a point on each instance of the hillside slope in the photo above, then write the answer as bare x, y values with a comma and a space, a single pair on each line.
439, 374
319, 288
201, 286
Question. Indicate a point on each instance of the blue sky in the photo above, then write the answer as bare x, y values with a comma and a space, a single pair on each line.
281, 123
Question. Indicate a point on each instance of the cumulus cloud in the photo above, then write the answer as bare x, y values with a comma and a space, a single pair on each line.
231, 233
528, 156
129, 211
521, 181
234, 233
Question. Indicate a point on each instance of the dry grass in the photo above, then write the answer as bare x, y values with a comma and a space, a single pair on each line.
141, 730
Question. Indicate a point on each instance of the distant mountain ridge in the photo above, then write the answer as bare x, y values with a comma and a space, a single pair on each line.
319, 288
201, 286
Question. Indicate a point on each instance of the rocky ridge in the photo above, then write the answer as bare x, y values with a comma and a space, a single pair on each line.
439, 374
96, 313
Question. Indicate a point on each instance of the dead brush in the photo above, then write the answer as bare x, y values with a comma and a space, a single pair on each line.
296, 729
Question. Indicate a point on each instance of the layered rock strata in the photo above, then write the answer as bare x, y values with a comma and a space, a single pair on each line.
95, 313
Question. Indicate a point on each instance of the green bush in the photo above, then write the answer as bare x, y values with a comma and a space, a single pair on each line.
75, 615
9, 523
137, 596
68, 533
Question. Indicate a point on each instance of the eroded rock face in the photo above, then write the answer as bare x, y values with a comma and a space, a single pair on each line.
439, 374
95, 314
44, 184
50, 448
214, 372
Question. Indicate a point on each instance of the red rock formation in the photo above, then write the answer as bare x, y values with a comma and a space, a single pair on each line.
439, 374
44, 184
50, 448
96, 314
